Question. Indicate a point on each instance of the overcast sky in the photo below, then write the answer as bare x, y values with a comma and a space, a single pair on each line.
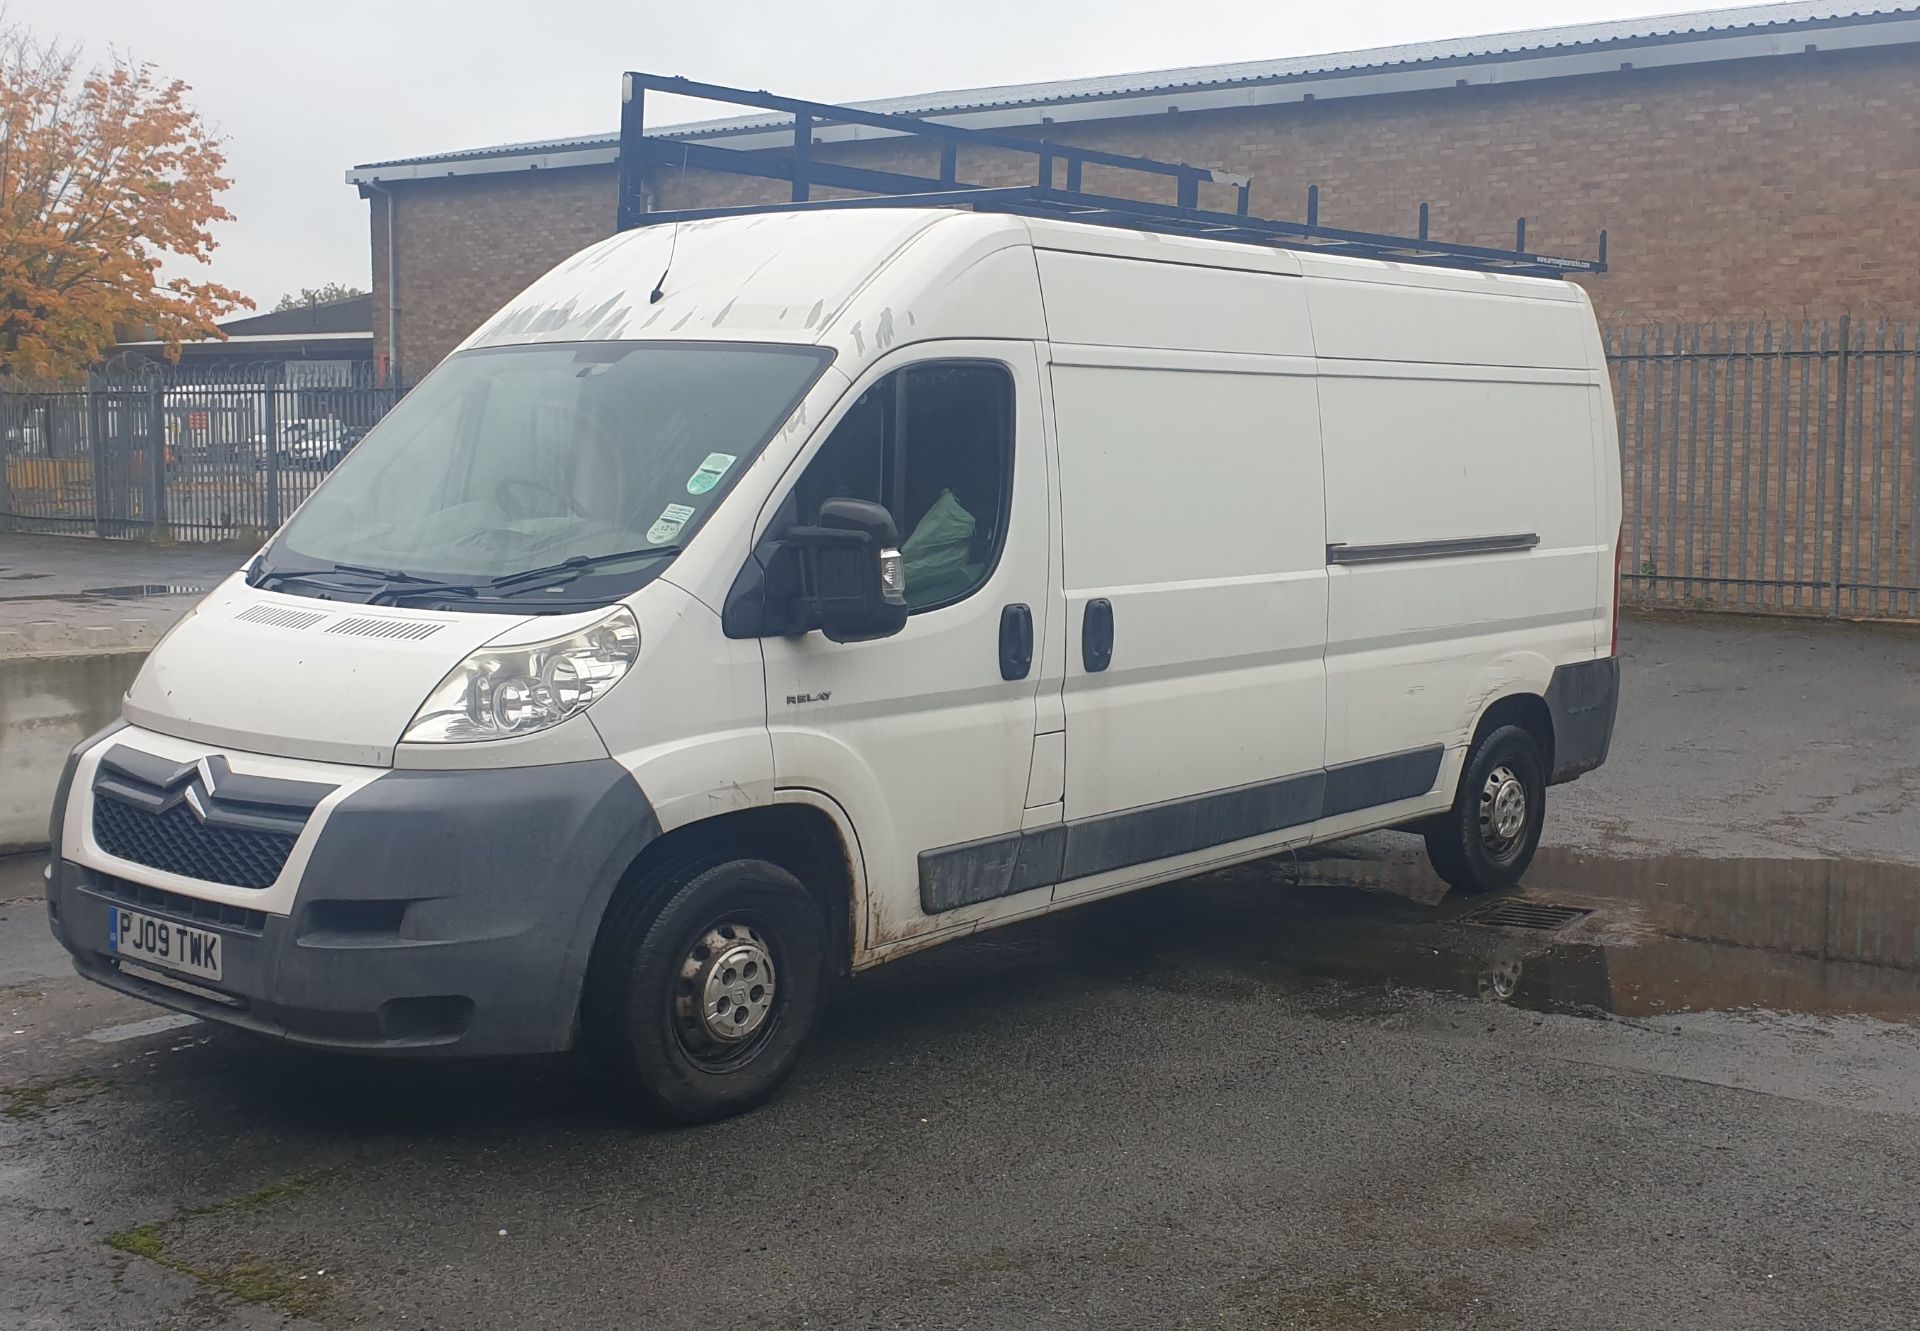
303, 91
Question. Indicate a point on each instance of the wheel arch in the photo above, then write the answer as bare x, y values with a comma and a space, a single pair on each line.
1527, 710
1456, 839
801, 832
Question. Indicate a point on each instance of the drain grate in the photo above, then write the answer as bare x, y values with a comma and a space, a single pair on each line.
1528, 915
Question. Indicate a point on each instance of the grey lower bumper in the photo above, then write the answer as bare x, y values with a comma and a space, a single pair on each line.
440, 911
1583, 699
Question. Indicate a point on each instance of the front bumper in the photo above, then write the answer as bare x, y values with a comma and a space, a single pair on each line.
445, 911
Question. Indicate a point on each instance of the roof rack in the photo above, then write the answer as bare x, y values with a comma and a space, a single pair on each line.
798, 165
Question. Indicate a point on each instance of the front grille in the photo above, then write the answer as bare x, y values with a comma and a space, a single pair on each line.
190, 910
176, 841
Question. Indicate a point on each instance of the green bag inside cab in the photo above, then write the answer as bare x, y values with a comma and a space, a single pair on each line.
937, 556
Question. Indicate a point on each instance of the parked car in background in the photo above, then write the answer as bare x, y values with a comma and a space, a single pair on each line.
318, 441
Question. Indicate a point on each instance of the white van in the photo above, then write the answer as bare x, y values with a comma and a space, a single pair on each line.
895, 574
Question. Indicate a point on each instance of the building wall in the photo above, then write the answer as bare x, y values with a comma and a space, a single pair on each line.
468, 244
1778, 188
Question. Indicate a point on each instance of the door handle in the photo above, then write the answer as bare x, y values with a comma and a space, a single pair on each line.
1016, 642
1096, 635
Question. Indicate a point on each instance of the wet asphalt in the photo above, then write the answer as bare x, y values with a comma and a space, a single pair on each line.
1674, 1081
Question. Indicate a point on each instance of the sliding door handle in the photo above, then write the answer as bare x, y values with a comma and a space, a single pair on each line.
1096, 635
1016, 642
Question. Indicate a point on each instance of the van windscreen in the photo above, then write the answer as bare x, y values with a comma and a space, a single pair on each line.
512, 459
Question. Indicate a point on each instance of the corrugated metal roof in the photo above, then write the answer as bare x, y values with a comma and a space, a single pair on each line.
351, 315
1506, 45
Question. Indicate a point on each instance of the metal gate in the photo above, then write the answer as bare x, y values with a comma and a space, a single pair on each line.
204, 455
1771, 466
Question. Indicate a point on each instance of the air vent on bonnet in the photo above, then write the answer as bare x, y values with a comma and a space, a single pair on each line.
363, 626
279, 617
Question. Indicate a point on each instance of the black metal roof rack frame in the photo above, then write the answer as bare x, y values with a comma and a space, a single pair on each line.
803, 170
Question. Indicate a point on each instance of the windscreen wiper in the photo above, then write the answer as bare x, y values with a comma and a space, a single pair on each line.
573, 567
387, 585
400, 588
319, 574
413, 588
383, 574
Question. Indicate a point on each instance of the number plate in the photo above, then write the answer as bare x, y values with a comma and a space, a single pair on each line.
164, 943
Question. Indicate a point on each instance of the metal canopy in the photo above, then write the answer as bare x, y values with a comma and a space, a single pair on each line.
1046, 197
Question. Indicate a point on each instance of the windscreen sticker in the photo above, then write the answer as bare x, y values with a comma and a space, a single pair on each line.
672, 518
709, 473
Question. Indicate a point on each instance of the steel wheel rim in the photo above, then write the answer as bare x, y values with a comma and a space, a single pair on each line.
1503, 812
1500, 982
727, 999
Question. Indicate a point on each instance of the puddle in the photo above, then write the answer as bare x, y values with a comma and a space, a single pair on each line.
132, 591
145, 589
1640, 938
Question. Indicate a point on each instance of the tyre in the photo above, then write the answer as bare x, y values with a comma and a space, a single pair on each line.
1487, 840
704, 989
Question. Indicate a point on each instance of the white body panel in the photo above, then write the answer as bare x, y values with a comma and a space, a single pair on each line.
1217, 678
917, 736
1453, 407
1196, 423
693, 728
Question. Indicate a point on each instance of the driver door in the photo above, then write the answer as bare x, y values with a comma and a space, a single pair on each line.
926, 738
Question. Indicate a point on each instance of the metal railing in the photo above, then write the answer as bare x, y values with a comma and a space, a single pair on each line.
1765, 467
204, 454
1771, 466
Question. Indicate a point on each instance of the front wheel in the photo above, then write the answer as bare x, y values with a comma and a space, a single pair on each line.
705, 989
1487, 840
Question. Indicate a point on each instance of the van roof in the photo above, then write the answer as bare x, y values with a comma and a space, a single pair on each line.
773, 277
791, 276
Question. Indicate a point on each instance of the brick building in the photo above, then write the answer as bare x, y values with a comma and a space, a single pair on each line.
1749, 163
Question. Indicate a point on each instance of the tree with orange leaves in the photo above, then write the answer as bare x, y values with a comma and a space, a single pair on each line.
104, 175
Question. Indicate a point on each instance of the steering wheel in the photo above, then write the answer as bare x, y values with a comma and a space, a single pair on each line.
505, 495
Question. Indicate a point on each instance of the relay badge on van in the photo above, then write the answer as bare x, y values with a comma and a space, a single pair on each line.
897, 574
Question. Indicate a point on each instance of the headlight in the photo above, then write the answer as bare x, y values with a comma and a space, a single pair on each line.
515, 690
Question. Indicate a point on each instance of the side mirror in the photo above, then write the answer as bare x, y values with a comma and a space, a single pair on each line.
851, 582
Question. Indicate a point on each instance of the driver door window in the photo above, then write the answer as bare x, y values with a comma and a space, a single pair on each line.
933, 443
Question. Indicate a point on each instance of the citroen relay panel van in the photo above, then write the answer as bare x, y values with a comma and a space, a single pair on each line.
875, 577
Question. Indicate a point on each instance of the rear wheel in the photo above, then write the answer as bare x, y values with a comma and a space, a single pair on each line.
1487, 840
705, 989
